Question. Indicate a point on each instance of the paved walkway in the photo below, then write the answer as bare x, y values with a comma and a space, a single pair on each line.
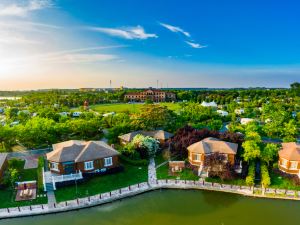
152, 172
51, 198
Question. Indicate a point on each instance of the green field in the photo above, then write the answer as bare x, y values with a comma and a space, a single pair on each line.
125, 107
130, 176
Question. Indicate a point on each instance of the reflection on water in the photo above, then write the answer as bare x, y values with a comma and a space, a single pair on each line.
175, 207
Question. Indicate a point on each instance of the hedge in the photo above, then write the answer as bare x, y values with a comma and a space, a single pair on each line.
41, 164
265, 177
251, 174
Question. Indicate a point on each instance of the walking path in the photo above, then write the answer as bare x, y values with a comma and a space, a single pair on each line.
133, 190
51, 198
152, 172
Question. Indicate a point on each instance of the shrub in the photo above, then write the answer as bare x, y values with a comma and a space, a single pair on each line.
265, 177
251, 174
41, 164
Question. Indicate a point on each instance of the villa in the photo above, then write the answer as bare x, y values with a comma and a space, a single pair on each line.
74, 156
222, 112
245, 121
209, 104
289, 158
161, 135
3, 164
198, 151
152, 94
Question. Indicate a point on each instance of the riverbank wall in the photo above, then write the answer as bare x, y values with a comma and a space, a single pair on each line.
104, 198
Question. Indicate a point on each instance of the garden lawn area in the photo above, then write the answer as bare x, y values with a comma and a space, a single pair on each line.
7, 199
233, 182
280, 182
109, 182
187, 174
125, 107
7, 195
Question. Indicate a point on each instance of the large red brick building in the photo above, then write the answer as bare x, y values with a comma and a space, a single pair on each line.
154, 95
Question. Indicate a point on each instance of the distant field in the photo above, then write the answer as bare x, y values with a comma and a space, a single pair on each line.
125, 107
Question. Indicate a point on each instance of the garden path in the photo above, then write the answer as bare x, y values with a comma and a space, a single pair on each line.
152, 172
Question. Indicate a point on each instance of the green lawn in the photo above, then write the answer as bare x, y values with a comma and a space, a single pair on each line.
125, 107
187, 174
131, 175
281, 182
7, 195
218, 180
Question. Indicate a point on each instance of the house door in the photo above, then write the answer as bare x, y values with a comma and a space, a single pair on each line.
69, 168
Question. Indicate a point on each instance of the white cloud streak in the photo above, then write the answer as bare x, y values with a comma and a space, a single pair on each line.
175, 29
130, 33
195, 45
21, 9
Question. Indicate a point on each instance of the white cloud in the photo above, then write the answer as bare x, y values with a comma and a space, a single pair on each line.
131, 33
175, 29
20, 8
81, 58
195, 45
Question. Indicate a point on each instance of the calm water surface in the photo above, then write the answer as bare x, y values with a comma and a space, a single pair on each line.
171, 207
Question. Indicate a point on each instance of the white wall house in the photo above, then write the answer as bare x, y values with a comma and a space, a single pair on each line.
76, 114
222, 112
209, 104
239, 111
245, 121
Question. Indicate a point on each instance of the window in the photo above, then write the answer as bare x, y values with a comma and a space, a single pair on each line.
108, 161
54, 166
294, 165
89, 165
284, 162
197, 157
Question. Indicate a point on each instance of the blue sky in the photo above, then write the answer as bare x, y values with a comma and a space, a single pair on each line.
86, 43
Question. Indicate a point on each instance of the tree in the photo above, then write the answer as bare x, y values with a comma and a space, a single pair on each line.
251, 150
153, 116
269, 152
146, 145
289, 131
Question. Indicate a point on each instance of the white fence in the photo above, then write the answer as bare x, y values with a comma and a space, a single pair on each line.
140, 188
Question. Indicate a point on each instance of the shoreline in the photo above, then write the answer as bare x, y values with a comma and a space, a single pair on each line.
133, 190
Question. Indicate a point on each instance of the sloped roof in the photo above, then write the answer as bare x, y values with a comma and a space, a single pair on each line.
80, 151
3, 157
157, 134
213, 145
95, 150
290, 151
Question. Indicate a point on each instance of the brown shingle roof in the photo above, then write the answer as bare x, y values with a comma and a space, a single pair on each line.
213, 145
80, 151
290, 151
157, 134
95, 150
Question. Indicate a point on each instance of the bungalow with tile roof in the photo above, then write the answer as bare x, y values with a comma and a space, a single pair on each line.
160, 135
198, 151
3, 164
289, 158
74, 156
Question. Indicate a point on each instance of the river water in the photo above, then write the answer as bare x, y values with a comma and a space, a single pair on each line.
178, 207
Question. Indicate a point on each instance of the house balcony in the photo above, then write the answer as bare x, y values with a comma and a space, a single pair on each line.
50, 179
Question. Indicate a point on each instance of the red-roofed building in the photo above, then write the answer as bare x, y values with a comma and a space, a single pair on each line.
289, 158
154, 95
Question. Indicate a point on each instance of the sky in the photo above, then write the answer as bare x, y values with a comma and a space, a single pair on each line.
135, 43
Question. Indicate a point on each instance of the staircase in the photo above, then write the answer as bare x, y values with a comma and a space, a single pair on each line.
49, 187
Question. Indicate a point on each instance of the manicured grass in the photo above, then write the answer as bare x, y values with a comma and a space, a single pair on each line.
131, 175
125, 107
7, 195
280, 182
218, 180
7, 199
187, 174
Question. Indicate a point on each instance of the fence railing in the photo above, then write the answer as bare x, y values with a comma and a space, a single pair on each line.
140, 188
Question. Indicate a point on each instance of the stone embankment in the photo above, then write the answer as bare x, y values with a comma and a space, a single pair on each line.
142, 188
